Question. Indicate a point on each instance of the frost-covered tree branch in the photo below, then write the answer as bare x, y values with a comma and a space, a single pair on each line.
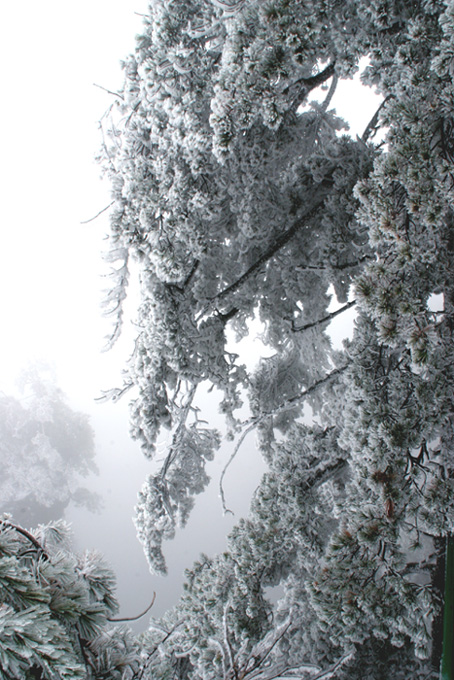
243, 202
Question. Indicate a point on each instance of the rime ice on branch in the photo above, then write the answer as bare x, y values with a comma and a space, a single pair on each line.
239, 198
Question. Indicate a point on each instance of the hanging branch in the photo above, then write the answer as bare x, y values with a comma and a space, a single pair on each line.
297, 398
256, 420
185, 411
280, 242
320, 111
328, 317
139, 616
225, 509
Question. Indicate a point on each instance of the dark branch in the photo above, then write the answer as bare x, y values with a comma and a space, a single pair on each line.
372, 126
228, 315
314, 81
27, 535
297, 398
139, 616
187, 280
329, 317
191, 273
338, 267
303, 86
280, 242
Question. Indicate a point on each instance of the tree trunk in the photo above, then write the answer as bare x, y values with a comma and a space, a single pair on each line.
447, 657
438, 581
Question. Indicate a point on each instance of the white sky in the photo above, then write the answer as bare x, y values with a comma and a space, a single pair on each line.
51, 53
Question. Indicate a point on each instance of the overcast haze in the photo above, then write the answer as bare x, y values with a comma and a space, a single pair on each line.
51, 267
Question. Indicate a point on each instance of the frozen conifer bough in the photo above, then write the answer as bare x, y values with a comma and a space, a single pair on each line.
239, 195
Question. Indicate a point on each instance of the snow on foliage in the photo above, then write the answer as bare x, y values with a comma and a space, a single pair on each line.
239, 199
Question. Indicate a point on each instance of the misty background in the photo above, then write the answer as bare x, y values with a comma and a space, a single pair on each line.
58, 61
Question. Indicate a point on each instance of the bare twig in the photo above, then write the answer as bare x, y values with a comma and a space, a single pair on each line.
115, 393
98, 214
114, 94
139, 616
227, 465
256, 420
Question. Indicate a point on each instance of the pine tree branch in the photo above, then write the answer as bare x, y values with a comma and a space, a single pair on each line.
27, 535
150, 655
279, 243
325, 319
372, 126
83, 650
324, 267
306, 85
302, 395
225, 509
256, 420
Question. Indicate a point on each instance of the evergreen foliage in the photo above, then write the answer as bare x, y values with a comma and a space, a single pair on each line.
54, 609
242, 199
